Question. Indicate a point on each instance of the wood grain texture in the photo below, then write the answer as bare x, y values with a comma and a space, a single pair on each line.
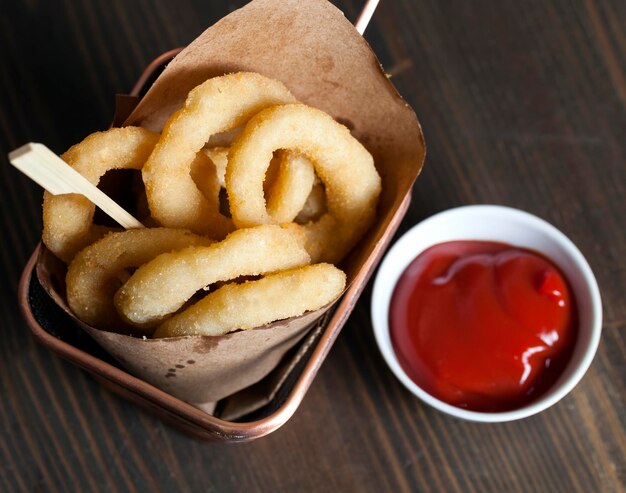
522, 104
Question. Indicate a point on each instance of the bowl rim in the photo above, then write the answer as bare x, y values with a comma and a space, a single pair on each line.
384, 286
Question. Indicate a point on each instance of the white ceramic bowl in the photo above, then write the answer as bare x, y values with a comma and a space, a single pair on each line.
506, 225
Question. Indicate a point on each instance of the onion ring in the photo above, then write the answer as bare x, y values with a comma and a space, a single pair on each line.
160, 287
255, 303
68, 218
93, 276
218, 105
345, 167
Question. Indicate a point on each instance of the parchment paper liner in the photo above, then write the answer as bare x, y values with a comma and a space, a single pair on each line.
200, 370
320, 57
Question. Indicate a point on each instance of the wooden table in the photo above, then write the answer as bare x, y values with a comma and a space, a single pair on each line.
522, 104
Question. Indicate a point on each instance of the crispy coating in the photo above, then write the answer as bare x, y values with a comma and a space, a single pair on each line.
345, 167
219, 158
218, 105
207, 174
255, 303
288, 181
94, 275
161, 287
67, 218
314, 206
290, 188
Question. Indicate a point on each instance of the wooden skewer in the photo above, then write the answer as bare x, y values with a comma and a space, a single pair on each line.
365, 16
47, 169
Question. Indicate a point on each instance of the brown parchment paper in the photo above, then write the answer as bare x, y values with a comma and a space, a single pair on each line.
320, 57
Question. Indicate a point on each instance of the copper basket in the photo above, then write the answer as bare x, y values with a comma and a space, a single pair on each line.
57, 331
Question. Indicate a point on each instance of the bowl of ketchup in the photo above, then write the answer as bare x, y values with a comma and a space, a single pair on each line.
486, 313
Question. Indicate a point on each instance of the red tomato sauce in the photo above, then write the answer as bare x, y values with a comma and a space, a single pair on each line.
481, 325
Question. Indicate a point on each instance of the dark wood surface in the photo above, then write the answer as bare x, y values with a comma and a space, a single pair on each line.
522, 104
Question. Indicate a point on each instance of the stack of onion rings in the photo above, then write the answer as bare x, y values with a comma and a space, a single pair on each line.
299, 189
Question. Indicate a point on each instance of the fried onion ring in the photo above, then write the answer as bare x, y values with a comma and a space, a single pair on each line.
218, 105
255, 303
161, 287
345, 167
93, 277
67, 218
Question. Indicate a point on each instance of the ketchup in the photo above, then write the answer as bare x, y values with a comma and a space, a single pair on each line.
481, 325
